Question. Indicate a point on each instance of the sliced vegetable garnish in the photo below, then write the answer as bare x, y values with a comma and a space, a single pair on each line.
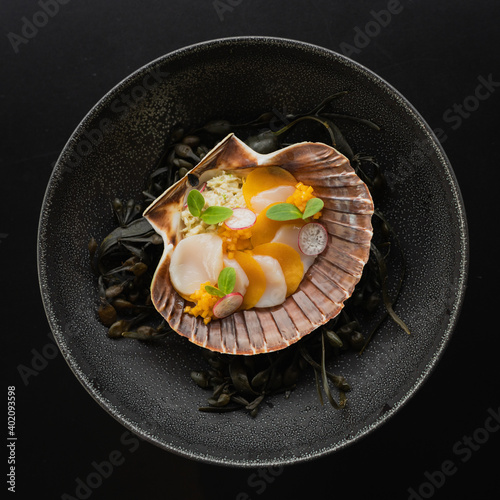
313, 238
264, 229
227, 305
264, 178
289, 260
256, 278
242, 218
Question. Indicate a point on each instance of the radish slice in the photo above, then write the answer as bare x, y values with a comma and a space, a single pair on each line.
227, 305
242, 218
204, 185
313, 238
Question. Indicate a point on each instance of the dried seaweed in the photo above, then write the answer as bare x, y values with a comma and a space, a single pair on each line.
125, 261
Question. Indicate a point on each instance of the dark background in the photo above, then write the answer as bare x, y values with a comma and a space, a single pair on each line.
435, 53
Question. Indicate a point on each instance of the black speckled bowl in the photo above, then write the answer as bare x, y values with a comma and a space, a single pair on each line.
147, 387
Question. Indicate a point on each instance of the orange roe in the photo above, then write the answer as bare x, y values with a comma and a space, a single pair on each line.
301, 196
204, 304
235, 239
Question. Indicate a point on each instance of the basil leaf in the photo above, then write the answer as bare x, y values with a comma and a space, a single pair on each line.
313, 206
227, 280
195, 202
214, 215
214, 291
283, 211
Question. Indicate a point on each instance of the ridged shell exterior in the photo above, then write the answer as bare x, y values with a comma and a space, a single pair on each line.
326, 285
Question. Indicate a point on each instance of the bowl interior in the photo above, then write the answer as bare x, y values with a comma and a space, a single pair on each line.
147, 387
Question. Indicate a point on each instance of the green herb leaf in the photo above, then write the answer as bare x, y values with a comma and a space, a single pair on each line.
214, 215
227, 280
195, 202
214, 291
313, 206
283, 211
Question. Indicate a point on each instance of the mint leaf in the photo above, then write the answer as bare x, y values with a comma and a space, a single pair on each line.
227, 280
313, 206
214, 291
214, 215
195, 202
283, 211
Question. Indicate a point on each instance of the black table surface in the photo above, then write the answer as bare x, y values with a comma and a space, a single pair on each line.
59, 57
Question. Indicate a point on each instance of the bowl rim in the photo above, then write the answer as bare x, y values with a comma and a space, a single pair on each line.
403, 395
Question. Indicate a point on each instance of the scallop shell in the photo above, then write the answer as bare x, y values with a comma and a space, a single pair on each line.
326, 285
